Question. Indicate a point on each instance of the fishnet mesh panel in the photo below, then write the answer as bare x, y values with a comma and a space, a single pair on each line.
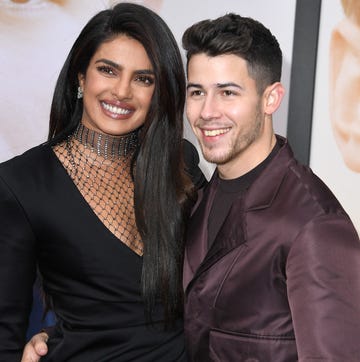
100, 167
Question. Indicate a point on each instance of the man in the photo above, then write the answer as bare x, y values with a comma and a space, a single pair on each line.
272, 261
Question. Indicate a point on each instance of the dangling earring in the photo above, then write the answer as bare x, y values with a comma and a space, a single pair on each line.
79, 93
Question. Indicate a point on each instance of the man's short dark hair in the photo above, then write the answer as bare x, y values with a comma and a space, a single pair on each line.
241, 36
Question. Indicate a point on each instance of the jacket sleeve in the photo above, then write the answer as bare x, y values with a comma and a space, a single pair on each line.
191, 158
17, 275
323, 281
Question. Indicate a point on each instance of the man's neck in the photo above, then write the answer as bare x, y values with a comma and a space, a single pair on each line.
248, 159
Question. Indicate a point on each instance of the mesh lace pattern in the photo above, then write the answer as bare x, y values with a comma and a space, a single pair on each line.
100, 167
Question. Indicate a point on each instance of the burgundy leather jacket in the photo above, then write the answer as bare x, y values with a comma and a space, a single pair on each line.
281, 281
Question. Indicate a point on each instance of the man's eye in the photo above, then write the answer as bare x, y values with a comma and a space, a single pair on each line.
228, 93
196, 93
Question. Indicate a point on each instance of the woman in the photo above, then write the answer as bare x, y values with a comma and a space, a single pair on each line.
101, 207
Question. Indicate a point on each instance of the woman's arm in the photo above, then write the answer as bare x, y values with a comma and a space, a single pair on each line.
17, 274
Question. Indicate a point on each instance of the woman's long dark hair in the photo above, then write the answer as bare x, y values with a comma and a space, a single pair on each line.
161, 185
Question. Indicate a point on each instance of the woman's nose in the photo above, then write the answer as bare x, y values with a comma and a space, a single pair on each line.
122, 89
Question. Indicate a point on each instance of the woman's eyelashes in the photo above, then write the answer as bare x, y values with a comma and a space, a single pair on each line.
106, 69
143, 79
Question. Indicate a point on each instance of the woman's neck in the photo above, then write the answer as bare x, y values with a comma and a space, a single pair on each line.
106, 145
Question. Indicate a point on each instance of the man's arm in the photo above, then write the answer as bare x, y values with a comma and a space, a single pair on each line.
323, 281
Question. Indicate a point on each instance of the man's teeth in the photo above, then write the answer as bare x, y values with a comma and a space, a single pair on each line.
216, 132
114, 109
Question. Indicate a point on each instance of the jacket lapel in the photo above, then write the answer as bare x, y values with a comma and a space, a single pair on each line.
231, 235
197, 236
198, 257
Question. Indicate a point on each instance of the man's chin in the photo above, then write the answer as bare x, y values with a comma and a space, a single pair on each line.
216, 159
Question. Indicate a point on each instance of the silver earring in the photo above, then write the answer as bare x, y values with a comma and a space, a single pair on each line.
79, 93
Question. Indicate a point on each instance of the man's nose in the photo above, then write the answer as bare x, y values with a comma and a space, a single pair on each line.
210, 108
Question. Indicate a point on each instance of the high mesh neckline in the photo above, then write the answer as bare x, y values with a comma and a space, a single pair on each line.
100, 167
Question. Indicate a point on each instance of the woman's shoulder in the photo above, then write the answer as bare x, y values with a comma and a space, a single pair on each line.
29, 160
192, 160
32, 153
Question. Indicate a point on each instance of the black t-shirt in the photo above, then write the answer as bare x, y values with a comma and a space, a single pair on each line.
230, 190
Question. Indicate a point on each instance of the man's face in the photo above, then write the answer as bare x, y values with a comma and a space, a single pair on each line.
225, 112
345, 91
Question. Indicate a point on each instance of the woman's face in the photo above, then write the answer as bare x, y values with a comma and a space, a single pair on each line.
118, 87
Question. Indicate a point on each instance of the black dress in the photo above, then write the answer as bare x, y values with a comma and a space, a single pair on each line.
93, 278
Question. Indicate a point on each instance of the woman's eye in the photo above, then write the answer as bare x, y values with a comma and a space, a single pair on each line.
106, 69
145, 79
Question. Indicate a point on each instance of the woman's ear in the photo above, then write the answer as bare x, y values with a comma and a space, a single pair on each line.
273, 96
81, 79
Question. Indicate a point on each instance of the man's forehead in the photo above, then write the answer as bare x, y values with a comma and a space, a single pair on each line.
220, 69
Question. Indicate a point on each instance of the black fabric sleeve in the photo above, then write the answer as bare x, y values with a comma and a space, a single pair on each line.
192, 160
17, 275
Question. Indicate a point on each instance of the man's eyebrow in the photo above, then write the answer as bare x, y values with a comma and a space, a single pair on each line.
119, 67
217, 85
193, 85
228, 84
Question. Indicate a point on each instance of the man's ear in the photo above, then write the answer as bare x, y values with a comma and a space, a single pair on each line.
273, 96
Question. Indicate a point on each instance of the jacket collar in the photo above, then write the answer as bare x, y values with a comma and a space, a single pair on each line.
263, 190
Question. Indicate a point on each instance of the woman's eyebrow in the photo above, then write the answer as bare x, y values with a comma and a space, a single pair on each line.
119, 67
